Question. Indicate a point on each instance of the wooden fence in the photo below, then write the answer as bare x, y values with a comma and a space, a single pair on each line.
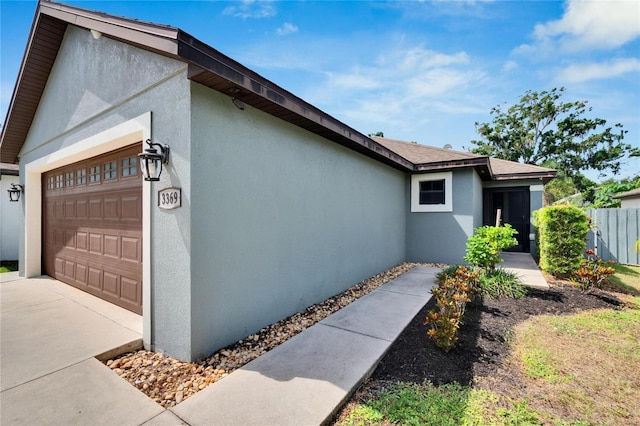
614, 234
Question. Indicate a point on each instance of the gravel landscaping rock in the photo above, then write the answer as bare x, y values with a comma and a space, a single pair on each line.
169, 381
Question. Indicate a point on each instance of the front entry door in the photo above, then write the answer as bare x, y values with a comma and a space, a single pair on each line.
514, 206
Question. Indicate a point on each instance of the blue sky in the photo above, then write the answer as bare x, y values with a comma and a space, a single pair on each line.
418, 71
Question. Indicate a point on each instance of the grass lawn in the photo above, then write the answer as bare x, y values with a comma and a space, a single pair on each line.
8, 266
578, 369
627, 279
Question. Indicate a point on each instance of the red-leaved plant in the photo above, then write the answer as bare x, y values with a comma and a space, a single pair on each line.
593, 272
452, 295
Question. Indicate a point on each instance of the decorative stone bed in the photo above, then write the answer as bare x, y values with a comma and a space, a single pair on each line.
169, 381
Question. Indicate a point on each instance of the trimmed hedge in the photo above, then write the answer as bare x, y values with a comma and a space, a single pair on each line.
562, 232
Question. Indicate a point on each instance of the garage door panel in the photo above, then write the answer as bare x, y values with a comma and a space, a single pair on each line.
82, 209
95, 209
95, 244
131, 249
111, 243
93, 227
81, 241
111, 283
59, 238
111, 210
50, 209
81, 274
70, 239
131, 208
59, 209
130, 290
69, 269
59, 266
70, 209
95, 278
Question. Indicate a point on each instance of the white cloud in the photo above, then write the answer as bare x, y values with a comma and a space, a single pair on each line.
579, 73
439, 82
402, 89
509, 66
251, 9
589, 25
420, 59
286, 29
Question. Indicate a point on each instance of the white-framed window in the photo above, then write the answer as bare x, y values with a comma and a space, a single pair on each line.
432, 192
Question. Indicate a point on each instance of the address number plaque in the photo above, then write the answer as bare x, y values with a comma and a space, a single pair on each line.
170, 198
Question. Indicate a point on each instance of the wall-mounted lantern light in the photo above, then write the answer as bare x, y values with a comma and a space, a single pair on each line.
15, 191
151, 161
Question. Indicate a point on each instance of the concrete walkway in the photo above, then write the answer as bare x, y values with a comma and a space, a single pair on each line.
305, 380
523, 265
51, 334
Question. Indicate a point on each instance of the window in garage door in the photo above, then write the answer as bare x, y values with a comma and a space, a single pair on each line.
92, 226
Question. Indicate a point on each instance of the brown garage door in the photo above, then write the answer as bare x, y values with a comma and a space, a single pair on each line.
92, 226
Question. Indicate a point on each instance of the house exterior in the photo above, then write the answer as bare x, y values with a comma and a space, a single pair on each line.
629, 199
9, 213
277, 204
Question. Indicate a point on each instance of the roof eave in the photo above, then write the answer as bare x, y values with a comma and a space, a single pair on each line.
211, 68
452, 164
544, 176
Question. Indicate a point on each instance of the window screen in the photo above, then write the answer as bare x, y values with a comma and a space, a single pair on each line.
432, 192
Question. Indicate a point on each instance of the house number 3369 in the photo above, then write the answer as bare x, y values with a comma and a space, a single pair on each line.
170, 198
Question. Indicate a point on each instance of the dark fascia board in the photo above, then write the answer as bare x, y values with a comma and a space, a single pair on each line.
161, 38
455, 164
545, 176
9, 169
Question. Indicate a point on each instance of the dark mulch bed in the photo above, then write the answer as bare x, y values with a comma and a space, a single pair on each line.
484, 337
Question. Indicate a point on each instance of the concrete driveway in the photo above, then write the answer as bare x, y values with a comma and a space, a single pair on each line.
50, 336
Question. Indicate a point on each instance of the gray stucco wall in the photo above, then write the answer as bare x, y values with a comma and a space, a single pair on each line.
95, 85
10, 214
281, 219
441, 237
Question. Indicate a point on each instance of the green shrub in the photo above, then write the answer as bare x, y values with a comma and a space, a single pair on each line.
500, 283
485, 245
562, 231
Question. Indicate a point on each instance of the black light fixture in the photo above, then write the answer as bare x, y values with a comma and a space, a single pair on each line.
151, 161
15, 191
238, 103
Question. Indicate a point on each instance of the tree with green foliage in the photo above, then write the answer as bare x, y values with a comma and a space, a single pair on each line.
601, 197
543, 128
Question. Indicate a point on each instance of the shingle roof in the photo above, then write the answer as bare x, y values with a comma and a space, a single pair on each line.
499, 169
506, 168
417, 153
